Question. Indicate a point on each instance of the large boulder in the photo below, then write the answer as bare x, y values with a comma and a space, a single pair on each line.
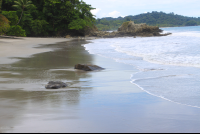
87, 67
55, 85
130, 28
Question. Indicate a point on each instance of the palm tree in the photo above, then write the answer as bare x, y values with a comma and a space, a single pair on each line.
21, 5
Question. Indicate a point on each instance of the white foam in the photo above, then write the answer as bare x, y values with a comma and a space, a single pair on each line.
175, 76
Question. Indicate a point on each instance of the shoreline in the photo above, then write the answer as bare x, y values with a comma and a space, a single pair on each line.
95, 101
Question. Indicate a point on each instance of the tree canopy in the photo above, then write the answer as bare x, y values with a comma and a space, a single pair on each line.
4, 24
48, 17
21, 5
191, 23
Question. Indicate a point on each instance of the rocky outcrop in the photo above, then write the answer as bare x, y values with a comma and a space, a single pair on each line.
90, 30
55, 85
132, 30
87, 67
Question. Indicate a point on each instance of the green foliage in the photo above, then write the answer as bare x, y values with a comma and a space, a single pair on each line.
191, 23
102, 27
4, 24
16, 31
26, 22
77, 24
39, 27
21, 5
11, 16
160, 19
49, 17
67, 15
128, 19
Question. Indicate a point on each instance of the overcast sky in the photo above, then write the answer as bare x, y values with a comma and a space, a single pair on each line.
116, 8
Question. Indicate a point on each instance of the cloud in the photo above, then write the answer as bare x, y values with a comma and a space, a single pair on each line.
135, 7
95, 11
114, 14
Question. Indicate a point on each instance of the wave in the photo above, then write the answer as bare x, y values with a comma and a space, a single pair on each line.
168, 67
175, 50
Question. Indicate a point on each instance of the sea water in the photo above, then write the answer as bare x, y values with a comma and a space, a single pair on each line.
168, 67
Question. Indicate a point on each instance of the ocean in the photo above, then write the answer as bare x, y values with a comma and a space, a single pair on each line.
167, 67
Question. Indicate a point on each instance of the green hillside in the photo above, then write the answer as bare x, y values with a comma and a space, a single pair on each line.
160, 19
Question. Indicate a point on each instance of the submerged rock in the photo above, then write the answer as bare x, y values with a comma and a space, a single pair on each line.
88, 67
55, 85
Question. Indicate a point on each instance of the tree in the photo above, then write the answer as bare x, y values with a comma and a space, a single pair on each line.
11, 16
48, 17
191, 23
21, 5
4, 24
69, 15
128, 19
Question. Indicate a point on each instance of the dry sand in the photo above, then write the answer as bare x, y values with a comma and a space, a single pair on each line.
98, 102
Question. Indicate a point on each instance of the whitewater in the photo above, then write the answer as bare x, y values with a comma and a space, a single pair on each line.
168, 67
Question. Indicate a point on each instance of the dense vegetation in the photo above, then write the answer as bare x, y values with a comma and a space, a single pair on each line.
45, 17
160, 19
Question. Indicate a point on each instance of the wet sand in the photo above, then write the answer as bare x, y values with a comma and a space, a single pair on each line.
100, 102
23, 47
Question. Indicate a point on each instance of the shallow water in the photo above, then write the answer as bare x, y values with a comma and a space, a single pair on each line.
168, 67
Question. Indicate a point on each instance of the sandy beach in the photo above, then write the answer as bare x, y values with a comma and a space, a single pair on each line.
94, 102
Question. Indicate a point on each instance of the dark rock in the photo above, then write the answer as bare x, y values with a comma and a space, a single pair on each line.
88, 67
55, 85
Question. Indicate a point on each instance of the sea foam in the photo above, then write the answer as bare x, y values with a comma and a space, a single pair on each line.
168, 67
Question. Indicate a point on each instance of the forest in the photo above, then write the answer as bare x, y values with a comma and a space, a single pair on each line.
44, 17
155, 18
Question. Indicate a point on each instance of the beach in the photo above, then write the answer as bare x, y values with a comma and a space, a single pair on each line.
94, 102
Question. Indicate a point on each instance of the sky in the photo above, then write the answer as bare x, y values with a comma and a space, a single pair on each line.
116, 8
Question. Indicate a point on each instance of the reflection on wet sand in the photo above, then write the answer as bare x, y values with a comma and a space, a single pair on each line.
22, 83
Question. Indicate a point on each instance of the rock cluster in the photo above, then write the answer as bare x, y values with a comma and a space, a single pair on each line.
59, 84
88, 67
